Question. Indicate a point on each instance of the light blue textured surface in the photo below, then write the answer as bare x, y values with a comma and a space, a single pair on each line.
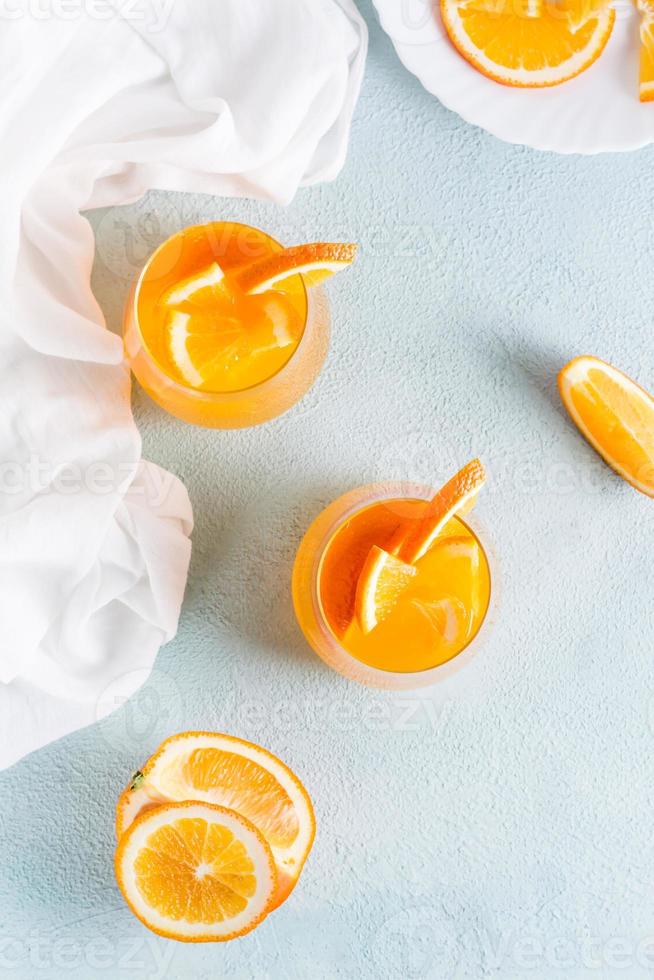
501, 826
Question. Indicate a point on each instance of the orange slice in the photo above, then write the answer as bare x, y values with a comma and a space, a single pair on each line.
203, 289
215, 351
133, 800
196, 872
383, 579
615, 415
344, 559
528, 44
315, 262
458, 496
646, 10
386, 574
228, 771
221, 340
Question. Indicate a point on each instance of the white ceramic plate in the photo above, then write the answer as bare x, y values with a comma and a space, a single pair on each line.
597, 112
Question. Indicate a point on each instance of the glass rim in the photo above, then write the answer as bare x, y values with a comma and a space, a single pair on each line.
375, 493
197, 393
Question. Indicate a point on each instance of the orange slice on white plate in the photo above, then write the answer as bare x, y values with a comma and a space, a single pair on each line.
196, 872
228, 771
615, 415
315, 263
529, 44
646, 10
383, 579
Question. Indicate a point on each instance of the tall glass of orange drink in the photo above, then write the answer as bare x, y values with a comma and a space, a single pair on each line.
434, 621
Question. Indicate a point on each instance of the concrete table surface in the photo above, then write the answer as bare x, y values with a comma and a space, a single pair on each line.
498, 826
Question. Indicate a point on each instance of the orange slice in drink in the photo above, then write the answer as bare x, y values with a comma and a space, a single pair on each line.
387, 574
204, 289
615, 415
215, 351
222, 340
646, 10
228, 771
315, 262
529, 43
458, 496
383, 579
343, 562
196, 872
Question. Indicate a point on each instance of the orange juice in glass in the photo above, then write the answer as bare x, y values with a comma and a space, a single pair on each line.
392, 587
226, 328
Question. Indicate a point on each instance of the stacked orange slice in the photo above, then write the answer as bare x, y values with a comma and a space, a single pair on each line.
196, 872
213, 833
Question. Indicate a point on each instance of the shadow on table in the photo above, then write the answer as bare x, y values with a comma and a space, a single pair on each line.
242, 568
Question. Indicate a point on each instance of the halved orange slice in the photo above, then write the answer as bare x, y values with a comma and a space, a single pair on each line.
230, 772
383, 579
646, 10
615, 415
527, 44
196, 872
458, 496
315, 262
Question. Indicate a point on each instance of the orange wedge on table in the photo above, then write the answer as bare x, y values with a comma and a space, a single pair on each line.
646, 10
196, 872
529, 43
615, 415
387, 573
227, 771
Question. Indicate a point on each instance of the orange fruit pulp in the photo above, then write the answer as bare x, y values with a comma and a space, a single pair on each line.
437, 615
236, 341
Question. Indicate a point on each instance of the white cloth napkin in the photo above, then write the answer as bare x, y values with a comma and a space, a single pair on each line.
98, 103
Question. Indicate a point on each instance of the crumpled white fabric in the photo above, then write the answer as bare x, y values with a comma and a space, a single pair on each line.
99, 102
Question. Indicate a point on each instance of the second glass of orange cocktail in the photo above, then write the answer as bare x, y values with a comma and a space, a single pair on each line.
392, 586
226, 328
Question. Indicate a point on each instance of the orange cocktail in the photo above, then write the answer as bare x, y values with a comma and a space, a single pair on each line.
375, 617
221, 328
